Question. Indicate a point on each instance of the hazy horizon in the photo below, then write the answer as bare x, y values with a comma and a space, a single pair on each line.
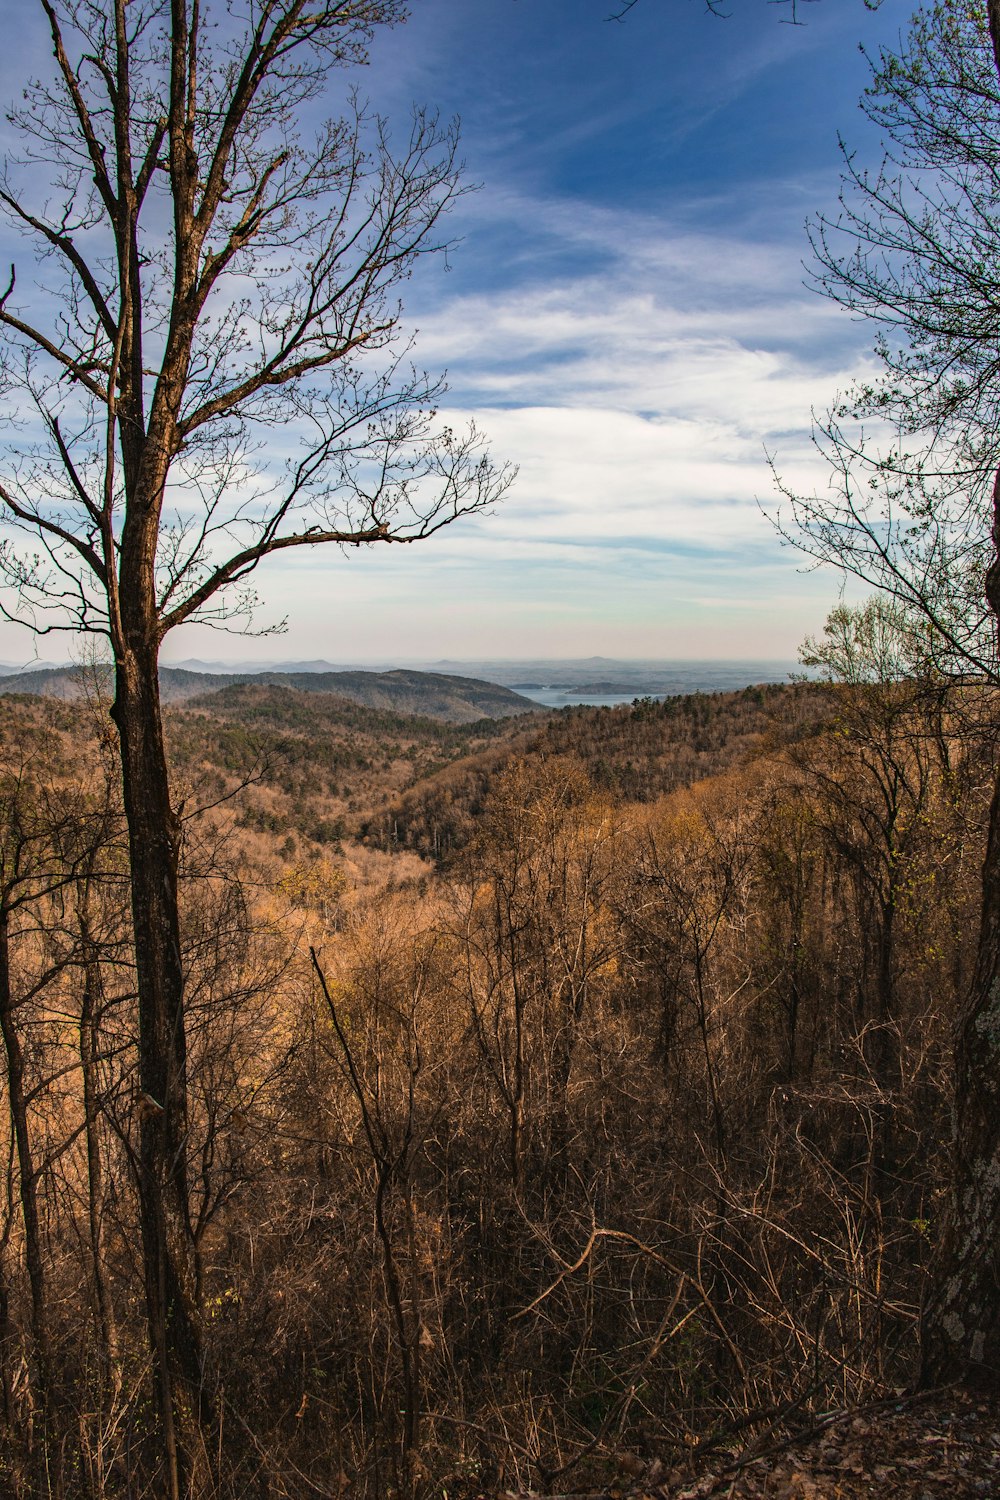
549, 682
390, 662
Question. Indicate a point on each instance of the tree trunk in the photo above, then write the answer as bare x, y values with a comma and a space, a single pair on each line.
168, 1259
17, 1101
93, 994
961, 1332
45, 1462
961, 1323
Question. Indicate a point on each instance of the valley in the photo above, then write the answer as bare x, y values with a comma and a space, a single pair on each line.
568, 1092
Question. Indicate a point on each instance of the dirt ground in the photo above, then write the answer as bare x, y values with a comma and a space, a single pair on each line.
928, 1447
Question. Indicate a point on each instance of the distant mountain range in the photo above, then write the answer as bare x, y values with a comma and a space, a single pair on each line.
448, 689
602, 675
435, 695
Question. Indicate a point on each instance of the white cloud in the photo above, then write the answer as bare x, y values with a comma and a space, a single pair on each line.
638, 403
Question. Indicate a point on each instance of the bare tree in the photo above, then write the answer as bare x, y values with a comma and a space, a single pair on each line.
792, 9
216, 275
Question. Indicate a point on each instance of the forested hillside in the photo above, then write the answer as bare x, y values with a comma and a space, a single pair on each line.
312, 764
616, 1135
635, 752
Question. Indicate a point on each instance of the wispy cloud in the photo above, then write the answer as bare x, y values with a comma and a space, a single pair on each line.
638, 400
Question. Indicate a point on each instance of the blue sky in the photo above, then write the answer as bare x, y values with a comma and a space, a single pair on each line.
625, 317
